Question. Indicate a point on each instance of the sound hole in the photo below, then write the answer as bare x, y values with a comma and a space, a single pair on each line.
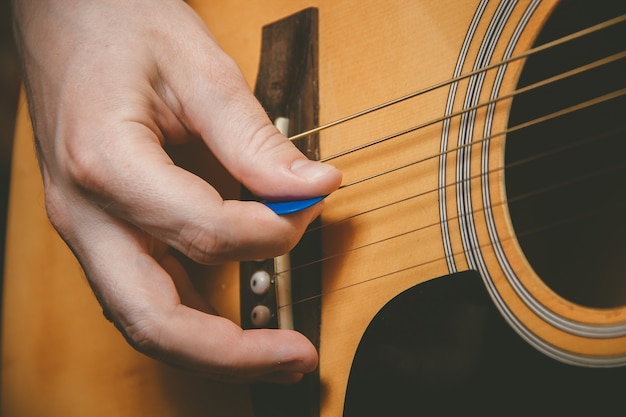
566, 178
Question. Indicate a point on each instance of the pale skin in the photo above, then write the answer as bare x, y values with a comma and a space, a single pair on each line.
109, 83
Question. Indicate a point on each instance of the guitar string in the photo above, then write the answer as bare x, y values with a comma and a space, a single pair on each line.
564, 221
528, 232
555, 151
584, 68
572, 145
467, 110
513, 129
504, 202
532, 51
477, 176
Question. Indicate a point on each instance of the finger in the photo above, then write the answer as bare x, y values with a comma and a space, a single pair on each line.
217, 104
219, 348
134, 178
142, 301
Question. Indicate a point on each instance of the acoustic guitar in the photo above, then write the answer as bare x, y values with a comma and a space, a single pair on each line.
471, 262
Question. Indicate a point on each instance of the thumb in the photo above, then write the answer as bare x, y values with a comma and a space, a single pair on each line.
270, 166
232, 123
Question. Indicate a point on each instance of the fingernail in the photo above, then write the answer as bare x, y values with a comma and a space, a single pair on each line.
311, 170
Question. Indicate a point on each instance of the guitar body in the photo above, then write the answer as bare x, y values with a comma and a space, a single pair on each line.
444, 214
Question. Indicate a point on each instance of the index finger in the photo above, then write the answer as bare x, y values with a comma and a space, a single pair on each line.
136, 180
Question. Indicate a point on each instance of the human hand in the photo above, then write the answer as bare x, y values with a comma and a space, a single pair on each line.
110, 83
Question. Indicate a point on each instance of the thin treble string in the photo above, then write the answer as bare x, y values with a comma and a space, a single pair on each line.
512, 94
555, 151
534, 193
544, 190
531, 123
525, 54
475, 72
521, 126
527, 232
570, 220
521, 197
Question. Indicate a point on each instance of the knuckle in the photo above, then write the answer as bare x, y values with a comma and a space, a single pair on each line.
202, 244
57, 210
87, 158
265, 139
83, 166
210, 243
267, 154
226, 79
225, 72
144, 335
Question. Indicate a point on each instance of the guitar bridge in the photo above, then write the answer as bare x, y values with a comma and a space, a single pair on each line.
287, 88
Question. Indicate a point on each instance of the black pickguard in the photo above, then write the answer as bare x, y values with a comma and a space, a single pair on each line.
442, 348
